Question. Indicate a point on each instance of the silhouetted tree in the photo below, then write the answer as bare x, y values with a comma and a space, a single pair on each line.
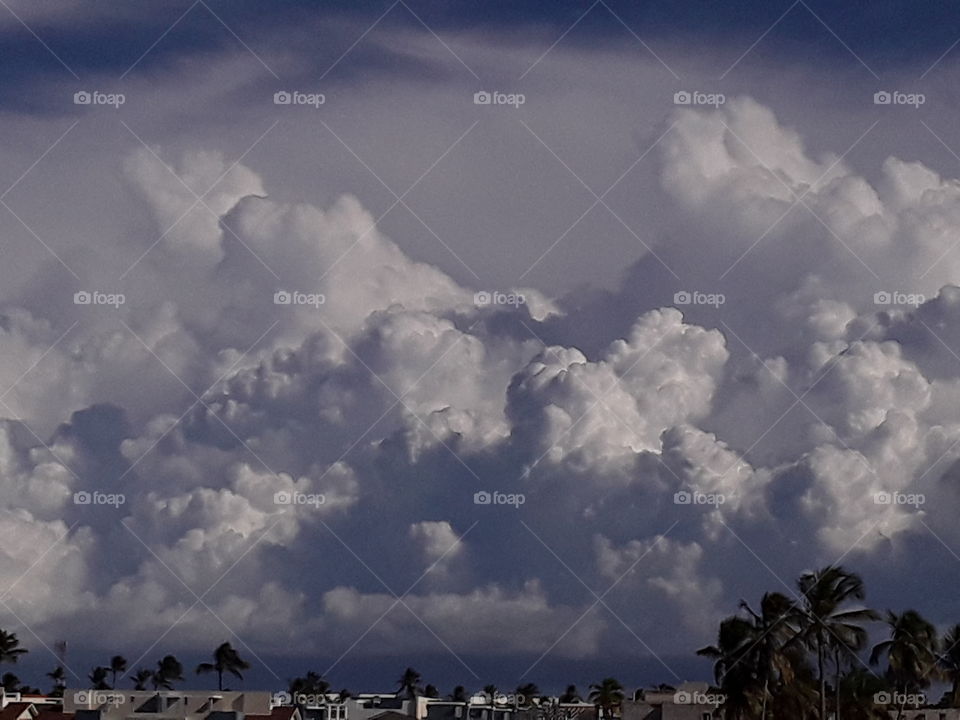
949, 662
225, 660
141, 678
59, 678
825, 593
118, 664
10, 683
310, 684
409, 683
910, 652
607, 695
10, 650
168, 670
98, 678
525, 694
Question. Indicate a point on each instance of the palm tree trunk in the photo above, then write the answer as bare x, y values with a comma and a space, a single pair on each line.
823, 681
763, 707
220, 680
836, 687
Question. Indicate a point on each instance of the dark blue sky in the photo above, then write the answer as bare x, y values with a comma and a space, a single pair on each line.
886, 34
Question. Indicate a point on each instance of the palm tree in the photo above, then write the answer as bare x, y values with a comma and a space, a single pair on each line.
798, 698
950, 663
59, 678
570, 695
734, 666
225, 660
911, 653
10, 649
118, 664
311, 684
344, 695
846, 650
607, 695
431, 691
491, 692
141, 678
168, 670
459, 694
859, 687
775, 627
10, 683
525, 694
409, 683
824, 594
98, 678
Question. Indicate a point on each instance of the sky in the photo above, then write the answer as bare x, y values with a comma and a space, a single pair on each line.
513, 341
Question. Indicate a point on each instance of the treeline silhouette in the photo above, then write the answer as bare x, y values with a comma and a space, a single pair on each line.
799, 658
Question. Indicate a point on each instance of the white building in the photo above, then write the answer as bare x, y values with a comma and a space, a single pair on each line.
173, 705
690, 701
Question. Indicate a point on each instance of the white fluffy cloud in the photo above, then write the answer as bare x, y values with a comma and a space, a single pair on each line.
395, 399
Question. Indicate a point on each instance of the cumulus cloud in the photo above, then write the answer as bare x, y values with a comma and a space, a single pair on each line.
437, 540
253, 438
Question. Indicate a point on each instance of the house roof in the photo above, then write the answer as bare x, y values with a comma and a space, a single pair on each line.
390, 715
15, 710
286, 712
53, 715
